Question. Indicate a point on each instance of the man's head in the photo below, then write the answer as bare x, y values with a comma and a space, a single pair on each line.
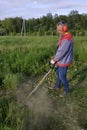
62, 27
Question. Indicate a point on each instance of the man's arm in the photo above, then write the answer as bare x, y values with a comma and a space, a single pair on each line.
62, 50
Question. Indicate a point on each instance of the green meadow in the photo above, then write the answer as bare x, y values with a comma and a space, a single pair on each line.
23, 62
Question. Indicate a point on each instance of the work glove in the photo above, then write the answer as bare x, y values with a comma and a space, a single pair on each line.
53, 63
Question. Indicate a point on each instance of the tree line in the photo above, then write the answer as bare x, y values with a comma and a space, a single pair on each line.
45, 25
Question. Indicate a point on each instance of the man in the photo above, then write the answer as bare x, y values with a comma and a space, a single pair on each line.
63, 57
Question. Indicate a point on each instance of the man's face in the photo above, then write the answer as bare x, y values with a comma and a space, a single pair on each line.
60, 29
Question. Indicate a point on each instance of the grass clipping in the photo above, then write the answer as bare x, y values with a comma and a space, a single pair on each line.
48, 112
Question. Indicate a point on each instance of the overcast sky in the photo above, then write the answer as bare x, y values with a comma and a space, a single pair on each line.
37, 8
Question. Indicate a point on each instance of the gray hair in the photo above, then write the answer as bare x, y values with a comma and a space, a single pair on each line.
62, 23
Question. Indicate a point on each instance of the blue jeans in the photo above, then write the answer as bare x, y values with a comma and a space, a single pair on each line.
61, 77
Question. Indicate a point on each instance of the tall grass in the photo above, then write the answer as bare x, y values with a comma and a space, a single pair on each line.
30, 56
80, 49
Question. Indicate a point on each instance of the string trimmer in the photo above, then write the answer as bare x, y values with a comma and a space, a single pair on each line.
39, 84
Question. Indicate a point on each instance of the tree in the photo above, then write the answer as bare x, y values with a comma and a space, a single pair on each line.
45, 24
73, 12
55, 16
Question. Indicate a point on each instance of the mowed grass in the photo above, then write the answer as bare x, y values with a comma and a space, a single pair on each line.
29, 57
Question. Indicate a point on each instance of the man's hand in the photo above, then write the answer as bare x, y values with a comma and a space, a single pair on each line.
52, 63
